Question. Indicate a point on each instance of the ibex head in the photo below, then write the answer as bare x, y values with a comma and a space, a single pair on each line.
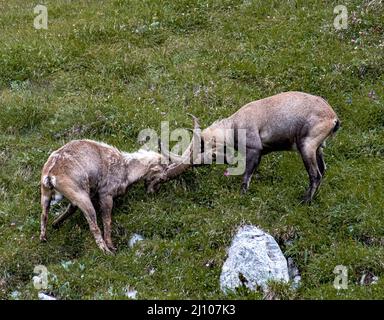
175, 164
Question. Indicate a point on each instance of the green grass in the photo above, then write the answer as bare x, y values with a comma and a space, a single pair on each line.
107, 69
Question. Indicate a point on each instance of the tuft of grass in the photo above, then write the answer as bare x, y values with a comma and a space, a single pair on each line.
106, 70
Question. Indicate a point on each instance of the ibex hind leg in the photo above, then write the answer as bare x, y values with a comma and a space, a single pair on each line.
46, 195
82, 200
308, 154
86, 206
320, 160
106, 204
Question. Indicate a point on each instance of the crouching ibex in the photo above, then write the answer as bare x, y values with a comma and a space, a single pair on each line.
86, 172
286, 121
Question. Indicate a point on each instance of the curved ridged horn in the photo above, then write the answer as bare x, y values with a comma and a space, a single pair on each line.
175, 158
181, 163
196, 123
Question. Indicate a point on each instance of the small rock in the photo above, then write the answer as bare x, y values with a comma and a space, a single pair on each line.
210, 263
66, 264
130, 293
15, 295
155, 24
368, 278
43, 296
254, 258
151, 271
134, 239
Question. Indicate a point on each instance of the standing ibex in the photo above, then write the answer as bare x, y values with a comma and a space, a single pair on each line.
286, 121
85, 171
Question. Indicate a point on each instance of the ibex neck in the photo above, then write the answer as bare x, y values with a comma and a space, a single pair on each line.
138, 164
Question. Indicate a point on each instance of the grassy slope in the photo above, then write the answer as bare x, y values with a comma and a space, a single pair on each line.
107, 69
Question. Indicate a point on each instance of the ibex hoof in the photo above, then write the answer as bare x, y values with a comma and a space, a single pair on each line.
111, 247
104, 248
55, 225
306, 200
243, 189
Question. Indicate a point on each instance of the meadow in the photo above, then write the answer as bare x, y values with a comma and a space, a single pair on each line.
105, 70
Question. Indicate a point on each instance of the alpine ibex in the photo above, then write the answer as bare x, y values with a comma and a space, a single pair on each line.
286, 121
86, 171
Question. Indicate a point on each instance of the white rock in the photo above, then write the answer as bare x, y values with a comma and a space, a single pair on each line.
134, 239
254, 258
43, 296
375, 280
368, 278
152, 271
130, 293
15, 295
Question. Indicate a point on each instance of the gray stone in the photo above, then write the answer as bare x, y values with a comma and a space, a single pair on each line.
134, 239
368, 278
130, 293
43, 296
254, 258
